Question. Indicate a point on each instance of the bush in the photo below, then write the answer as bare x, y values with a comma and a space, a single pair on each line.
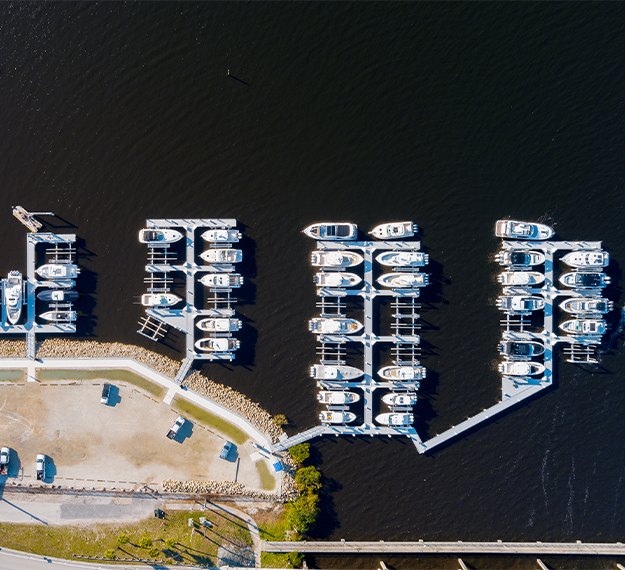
300, 452
110, 554
280, 420
122, 538
308, 479
302, 513
153, 552
170, 543
295, 559
145, 542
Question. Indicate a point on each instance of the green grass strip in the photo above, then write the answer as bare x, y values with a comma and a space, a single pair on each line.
12, 375
267, 480
233, 433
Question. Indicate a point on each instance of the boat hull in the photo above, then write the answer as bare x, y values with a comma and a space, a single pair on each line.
332, 398
13, 295
521, 278
58, 296
335, 259
58, 271
158, 236
584, 327
59, 316
220, 345
399, 400
521, 368
404, 280
221, 236
322, 325
337, 279
585, 280
520, 259
403, 373
520, 350
222, 280
513, 229
395, 419
330, 417
331, 231
587, 306
219, 325
403, 259
394, 230
222, 256
335, 372
519, 304
588, 259
159, 299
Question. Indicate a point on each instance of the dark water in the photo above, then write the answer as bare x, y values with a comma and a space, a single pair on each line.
450, 115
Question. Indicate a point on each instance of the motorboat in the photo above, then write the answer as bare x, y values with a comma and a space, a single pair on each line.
332, 231
58, 271
222, 280
404, 280
402, 373
58, 296
332, 397
399, 399
394, 230
337, 325
513, 229
219, 325
332, 417
217, 344
585, 280
520, 304
395, 419
221, 236
520, 350
587, 305
59, 316
403, 258
520, 259
13, 296
595, 258
335, 259
336, 279
339, 372
509, 368
159, 299
158, 236
584, 327
222, 255
521, 278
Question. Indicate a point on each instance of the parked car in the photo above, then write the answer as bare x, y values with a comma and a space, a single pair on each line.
41, 467
176, 427
4, 461
225, 450
106, 392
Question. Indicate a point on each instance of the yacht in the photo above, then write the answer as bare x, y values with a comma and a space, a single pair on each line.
58, 271
221, 236
331, 417
159, 299
395, 419
520, 259
337, 398
222, 255
156, 236
588, 259
402, 373
404, 280
394, 230
585, 280
335, 372
584, 327
217, 344
521, 278
403, 399
219, 325
338, 325
59, 316
521, 368
587, 305
336, 279
221, 280
513, 229
335, 259
332, 231
58, 296
520, 304
520, 350
403, 259
13, 296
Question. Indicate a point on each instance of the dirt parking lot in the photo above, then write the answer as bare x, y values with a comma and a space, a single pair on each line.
122, 444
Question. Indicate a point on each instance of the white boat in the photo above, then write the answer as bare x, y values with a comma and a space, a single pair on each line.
584, 327
156, 236
336, 279
402, 373
58, 296
394, 230
521, 368
402, 399
60, 316
520, 350
521, 278
221, 236
585, 280
337, 398
331, 417
222, 255
590, 259
219, 325
13, 296
58, 271
404, 280
335, 259
520, 304
520, 259
513, 229
403, 258
338, 325
395, 419
339, 372
222, 280
335, 231
587, 305
217, 344
159, 299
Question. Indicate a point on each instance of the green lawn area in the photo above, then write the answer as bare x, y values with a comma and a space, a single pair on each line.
272, 527
12, 375
267, 480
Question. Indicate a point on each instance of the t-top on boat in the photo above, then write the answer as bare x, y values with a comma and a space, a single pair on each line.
332, 231
336, 279
335, 259
520, 304
585, 280
339, 325
402, 399
157, 236
13, 296
521, 278
403, 258
394, 230
402, 373
222, 255
584, 327
219, 325
58, 271
222, 280
513, 229
331, 417
217, 344
340, 372
520, 350
221, 236
395, 419
588, 259
521, 368
332, 397
520, 259
587, 305
159, 299
404, 280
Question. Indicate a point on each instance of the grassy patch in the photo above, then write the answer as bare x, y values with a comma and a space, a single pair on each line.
115, 374
267, 480
233, 433
272, 526
12, 375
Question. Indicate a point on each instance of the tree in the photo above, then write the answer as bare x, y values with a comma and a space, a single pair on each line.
170, 543
302, 513
110, 554
123, 538
145, 542
153, 552
300, 452
308, 479
280, 420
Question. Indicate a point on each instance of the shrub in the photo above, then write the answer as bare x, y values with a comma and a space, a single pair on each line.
295, 559
308, 479
110, 554
145, 542
302, 513
280, 420
123, 538
300, 452
153, 552
170, 543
